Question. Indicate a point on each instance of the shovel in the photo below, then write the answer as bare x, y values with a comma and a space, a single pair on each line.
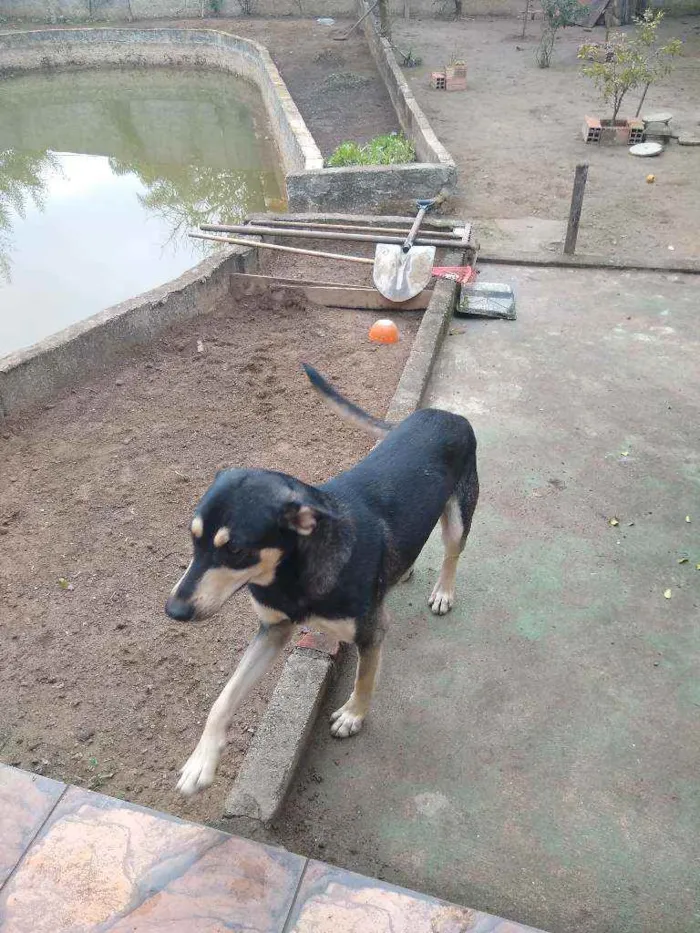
402, 272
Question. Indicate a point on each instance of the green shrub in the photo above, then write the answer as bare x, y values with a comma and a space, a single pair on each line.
390, 149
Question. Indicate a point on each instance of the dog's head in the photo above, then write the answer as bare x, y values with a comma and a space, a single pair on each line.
242, 528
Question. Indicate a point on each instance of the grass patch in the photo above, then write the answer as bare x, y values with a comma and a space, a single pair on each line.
391, 149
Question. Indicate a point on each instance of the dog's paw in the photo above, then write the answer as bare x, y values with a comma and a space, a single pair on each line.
441, 600
347, 720
199, 770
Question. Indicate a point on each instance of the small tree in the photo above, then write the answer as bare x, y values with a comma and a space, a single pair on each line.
557, 13
631, 61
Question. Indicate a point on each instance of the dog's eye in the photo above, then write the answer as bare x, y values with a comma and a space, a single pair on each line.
240, 555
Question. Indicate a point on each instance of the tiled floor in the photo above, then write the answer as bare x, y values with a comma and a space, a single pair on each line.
72, 860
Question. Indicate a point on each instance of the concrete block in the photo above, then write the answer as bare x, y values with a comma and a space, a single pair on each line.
487, 299
591, 130
456, 84
268, 768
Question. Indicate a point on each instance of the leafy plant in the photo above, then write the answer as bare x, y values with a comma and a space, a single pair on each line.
217, 6
557, 14
390, 149
632, 60
408, 59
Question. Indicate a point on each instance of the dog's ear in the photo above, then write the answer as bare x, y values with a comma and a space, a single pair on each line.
303, 517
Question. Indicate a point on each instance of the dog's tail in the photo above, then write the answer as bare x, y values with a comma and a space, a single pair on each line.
347, 410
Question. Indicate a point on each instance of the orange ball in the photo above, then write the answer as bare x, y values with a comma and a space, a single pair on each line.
384, 331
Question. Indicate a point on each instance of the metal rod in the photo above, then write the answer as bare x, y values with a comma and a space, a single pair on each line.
255, 230
352, 29
239, 241
447, 234
575, 210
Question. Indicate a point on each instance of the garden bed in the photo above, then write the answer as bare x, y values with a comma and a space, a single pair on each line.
100, 688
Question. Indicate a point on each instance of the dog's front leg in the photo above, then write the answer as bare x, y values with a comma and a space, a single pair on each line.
259, 656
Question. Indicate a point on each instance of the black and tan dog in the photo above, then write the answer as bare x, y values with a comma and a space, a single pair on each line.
326, 556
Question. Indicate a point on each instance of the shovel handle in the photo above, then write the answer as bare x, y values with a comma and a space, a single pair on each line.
424, 207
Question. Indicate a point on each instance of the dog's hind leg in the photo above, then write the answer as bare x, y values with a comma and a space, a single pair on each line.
409, 573
259, 656
456, 522
349, 718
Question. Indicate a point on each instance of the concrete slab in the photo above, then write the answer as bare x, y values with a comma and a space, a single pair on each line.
534, 753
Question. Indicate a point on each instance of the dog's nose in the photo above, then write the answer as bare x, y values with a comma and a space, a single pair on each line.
179, 609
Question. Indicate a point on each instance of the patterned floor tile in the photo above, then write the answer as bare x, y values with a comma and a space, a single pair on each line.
331, 900
25, 802
102, 865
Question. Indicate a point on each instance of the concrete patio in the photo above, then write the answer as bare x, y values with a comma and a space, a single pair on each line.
534, 753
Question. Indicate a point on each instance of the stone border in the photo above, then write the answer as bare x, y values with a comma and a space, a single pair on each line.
199, 48
29, 377
268, 769
583, 261
411, 117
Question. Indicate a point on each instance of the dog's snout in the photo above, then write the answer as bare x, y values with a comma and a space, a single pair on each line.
179, 609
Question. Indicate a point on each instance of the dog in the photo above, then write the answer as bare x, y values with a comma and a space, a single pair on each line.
326, 556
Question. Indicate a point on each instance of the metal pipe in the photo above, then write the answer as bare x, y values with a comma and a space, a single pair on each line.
255, 230
447, 234
239, 241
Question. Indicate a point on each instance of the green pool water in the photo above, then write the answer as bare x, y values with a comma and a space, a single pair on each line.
103, 173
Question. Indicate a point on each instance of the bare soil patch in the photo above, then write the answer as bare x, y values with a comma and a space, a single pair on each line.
99, 688
516, 136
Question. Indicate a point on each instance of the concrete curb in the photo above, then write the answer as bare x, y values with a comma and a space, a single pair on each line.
274, 753
268, 768
496, 257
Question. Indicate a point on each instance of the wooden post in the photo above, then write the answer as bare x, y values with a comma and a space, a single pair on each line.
384, 19
406, 9
575, 209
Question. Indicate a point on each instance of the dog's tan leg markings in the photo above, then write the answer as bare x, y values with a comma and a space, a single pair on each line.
442, 598
201, 766
409, 573
348, 719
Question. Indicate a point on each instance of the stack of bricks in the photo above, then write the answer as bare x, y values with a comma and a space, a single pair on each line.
456, 77
453, 78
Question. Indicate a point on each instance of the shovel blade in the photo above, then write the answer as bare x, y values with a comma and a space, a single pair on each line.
400, 276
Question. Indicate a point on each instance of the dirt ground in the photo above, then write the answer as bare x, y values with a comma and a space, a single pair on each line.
99, 687
516, 137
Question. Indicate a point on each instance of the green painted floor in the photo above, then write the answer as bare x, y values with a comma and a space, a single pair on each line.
535, 753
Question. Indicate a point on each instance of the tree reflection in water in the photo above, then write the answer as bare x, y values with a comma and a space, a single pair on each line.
24, 179
185, 196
